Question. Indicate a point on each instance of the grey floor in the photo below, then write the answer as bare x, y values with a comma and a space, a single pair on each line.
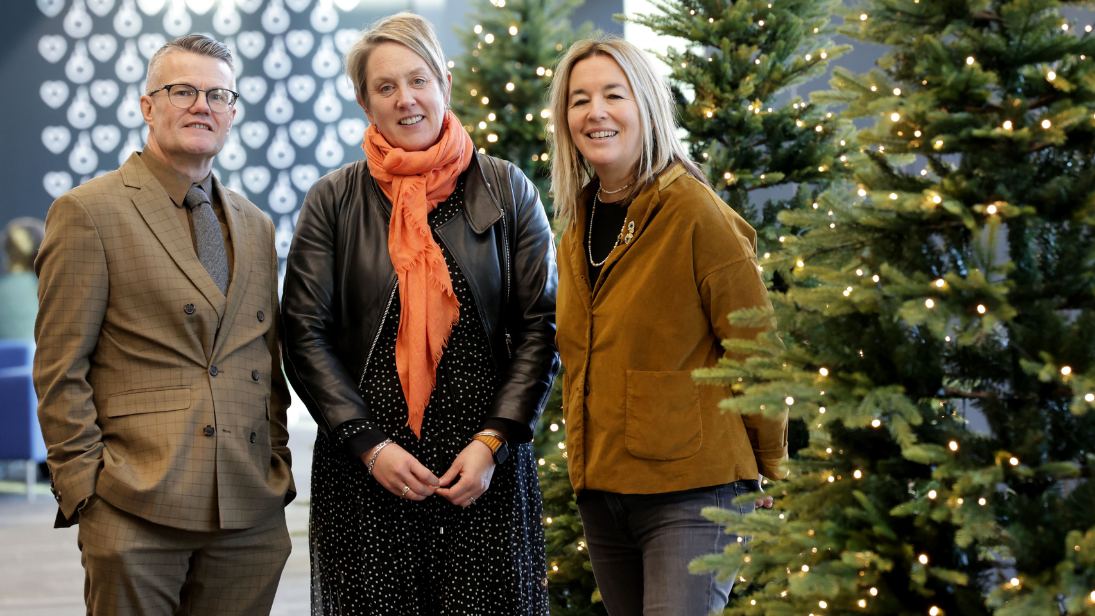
40, 573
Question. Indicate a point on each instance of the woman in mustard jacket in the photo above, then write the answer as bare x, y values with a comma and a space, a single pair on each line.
651, 262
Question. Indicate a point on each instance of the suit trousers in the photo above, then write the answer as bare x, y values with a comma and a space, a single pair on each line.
133, 566
640, 546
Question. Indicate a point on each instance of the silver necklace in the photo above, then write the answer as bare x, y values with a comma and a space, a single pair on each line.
589, 236
600, 189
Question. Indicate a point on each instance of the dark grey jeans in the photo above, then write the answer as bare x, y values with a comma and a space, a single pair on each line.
640, 546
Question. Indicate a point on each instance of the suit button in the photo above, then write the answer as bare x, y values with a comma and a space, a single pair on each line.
254, 375
209, 430
253, 437
188, 309
261, 316
213, 371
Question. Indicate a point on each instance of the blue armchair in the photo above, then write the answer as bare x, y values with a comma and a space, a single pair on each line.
20, 435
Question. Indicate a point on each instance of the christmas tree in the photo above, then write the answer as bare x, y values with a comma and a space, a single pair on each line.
733, 83
939, 332
500, 87
500, 82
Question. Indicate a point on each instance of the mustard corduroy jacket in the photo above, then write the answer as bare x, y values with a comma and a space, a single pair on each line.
636, 421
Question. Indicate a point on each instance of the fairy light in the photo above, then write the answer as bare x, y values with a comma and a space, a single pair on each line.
805, 568
953, 445
489, 38
782, 238
528, 117
1014, 581
862, 193
862, 603
1051, 76
482, 125
874, 88
873, 591
934, 611
862, 17
1007, 124
1089, 398
982, 502
727, 175
970, 60
831, 479
789, 400
485, 100
1014, 461
893, 196
875, 278
513, 30
821, 410
895, 116
544, 113
917, 134
491, 117
540, 71
923, 559
1066, 370
858, 474
875, 423
960, 501
981, 308
929, 303
509, 87
800, 263
822, 605
824, 372
1046, 124
932, 494
937, 199
478, 29
554, 427
938, 144
492, 137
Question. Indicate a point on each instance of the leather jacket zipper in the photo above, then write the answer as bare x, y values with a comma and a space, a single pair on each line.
505, 266
379, 329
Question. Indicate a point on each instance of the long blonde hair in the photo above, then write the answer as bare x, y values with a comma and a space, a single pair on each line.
661, 148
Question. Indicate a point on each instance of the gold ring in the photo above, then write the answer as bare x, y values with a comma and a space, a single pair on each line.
405, 490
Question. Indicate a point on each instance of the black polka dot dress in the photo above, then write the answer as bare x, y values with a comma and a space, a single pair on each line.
373, 552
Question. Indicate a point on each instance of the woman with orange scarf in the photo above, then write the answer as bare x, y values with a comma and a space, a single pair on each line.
419, 310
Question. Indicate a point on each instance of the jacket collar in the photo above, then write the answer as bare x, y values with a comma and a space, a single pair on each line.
158, 211
482, 208
640, 212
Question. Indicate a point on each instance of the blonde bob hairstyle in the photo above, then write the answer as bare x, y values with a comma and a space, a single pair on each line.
404, 28
570, 172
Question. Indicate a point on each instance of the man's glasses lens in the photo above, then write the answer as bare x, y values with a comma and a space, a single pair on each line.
184, 97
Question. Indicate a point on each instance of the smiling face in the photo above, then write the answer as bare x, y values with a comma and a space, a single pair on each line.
186, 138
603, 118
403, 97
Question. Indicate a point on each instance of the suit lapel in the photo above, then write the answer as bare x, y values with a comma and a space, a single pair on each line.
159, 214
241, 262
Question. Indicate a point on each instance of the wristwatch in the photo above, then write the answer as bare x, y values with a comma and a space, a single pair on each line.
498, 447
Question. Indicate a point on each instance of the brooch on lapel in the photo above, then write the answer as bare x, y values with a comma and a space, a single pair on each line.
630, 232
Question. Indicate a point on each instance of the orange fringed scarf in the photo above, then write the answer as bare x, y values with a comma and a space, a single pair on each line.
415, 183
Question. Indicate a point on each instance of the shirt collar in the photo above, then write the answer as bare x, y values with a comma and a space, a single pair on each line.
175, 183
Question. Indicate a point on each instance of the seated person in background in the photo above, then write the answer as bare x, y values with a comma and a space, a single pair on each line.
19, 287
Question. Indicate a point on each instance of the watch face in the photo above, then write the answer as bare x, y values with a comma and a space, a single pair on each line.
501, 453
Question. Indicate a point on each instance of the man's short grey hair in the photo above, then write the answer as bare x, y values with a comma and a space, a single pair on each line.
193, 43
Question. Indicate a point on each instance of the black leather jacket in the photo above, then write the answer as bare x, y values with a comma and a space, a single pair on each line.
339, 283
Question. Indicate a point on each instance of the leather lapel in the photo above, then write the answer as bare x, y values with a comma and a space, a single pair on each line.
159, 214
241, 262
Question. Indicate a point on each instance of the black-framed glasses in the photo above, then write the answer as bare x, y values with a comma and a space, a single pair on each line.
184, 95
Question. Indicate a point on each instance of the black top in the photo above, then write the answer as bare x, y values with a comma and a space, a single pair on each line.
361, 435
607, 223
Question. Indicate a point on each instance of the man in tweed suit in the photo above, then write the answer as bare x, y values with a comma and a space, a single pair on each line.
158, 371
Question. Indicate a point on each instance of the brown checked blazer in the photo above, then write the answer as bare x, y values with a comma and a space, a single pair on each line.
156, 392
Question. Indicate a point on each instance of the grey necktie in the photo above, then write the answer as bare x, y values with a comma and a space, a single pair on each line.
208, 237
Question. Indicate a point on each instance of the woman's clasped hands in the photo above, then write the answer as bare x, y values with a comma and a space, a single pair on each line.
403, 475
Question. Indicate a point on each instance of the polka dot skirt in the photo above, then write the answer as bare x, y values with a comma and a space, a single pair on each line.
373, 552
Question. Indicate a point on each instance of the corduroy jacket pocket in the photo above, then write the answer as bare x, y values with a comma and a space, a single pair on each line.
662, 415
